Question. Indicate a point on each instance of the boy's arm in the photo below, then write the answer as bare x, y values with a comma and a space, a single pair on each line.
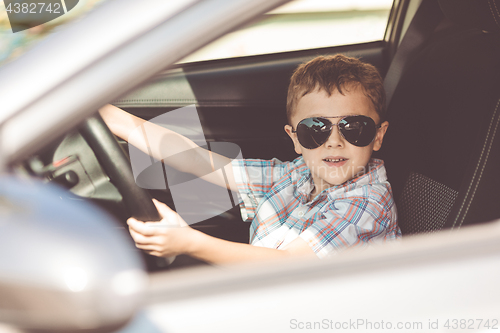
174, 149
161, 240
219, 251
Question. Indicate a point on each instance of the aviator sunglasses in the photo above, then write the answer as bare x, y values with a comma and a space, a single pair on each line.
357, 130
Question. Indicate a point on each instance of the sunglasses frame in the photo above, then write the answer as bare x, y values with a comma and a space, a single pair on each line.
340, 132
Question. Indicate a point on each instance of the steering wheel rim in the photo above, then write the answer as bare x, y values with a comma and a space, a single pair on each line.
116, 164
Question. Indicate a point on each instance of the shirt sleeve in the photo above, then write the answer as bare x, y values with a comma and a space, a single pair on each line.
350, 222
254, 178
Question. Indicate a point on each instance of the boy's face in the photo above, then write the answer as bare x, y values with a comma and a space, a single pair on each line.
336, 161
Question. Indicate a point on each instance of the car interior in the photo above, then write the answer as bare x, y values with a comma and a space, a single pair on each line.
441, 150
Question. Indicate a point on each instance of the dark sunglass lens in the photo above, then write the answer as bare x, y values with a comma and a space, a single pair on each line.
313, 132
358, 130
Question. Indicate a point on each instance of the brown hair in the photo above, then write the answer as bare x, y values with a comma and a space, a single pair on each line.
338, 72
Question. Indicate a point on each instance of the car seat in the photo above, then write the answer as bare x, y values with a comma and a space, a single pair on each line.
442, 149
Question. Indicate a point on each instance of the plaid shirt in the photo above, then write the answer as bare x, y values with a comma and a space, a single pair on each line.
274, 196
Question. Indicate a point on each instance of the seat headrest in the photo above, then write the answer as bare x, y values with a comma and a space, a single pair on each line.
482, 14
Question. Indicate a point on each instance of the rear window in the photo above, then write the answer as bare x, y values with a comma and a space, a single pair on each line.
303, 24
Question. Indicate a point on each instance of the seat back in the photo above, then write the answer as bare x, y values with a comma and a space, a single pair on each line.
442, 149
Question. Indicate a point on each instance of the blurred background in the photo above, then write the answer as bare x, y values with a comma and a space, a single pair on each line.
300, 24
12, 45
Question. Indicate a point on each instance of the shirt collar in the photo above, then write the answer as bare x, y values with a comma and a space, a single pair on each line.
375, 173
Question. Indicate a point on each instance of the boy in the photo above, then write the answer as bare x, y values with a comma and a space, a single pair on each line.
332, 197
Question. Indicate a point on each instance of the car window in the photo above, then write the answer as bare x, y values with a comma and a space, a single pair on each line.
12, 45
303, 24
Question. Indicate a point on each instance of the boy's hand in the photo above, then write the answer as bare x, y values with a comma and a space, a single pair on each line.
169, 237
172, 236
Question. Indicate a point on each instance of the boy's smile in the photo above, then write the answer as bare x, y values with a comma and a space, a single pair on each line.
336, 161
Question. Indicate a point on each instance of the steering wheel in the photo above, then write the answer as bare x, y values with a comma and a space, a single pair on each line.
115, 162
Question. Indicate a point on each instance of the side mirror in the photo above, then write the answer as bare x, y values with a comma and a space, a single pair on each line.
65, 264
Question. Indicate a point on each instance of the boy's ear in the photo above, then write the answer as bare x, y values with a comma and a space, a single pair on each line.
379, 137
293, 136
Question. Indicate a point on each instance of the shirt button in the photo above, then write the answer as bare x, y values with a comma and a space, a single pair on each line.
300, 214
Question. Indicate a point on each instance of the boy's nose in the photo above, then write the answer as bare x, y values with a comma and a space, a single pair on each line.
335, 140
